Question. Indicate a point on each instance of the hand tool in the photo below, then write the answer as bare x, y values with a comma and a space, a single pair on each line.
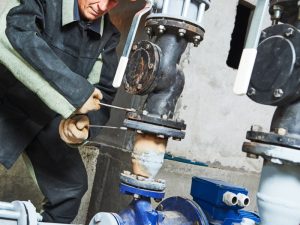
117, 107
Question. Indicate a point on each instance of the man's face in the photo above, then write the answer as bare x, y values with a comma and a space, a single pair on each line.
93, 9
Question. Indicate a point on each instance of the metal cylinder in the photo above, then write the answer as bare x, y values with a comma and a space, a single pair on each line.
201, 14
184, 10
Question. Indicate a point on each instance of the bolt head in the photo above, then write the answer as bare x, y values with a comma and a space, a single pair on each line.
161, 29
126, 172
164, 117
289, 32
278, 93
145, 112
136, 196
148, 30
251, 91
281, 131
252, 156
256, 128
139, 131
181, 32
150, 66
161, 136
134, 47
139, 86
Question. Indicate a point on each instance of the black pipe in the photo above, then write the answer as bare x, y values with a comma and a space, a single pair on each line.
287, 117
163, 99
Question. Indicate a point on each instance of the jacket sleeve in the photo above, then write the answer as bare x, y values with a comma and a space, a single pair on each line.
25, 23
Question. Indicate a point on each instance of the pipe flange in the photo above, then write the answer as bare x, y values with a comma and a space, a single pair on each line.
276, 154
152, 119
158, 24
142, 69
143, 182
274, 139
160, 131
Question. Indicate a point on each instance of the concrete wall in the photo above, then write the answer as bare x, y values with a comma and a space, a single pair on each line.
217, 122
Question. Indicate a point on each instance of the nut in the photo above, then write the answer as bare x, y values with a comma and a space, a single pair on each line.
251, 91
181, 32
252, 156
280, 131
161, 29
278, 93
256, 128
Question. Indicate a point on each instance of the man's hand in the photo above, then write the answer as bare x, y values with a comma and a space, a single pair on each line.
74, 130
92, 104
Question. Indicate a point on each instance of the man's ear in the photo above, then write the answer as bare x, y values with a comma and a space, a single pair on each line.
112, 4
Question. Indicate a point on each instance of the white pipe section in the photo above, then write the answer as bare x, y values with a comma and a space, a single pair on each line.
243, 200
230, 198
186, 7
249, 54
6, 205
278, 198
201, 14
7, 214
166, 6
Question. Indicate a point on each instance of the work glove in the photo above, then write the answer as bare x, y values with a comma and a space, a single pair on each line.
92, 104
74, 130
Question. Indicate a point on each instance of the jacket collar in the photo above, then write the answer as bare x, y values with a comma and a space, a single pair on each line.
70, 14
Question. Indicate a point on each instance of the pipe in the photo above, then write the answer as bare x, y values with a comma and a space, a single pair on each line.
163, 99
149, 150
278, 197
288, 118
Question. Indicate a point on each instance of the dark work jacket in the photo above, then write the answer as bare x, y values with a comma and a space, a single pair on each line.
64, 55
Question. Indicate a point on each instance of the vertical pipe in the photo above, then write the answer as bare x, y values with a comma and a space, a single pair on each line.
278, 197
186, 7
201, 12
166, 6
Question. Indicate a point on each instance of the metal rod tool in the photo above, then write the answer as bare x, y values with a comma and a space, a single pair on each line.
118, 107
107, 127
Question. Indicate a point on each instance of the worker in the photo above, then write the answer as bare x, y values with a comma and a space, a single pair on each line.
57, 62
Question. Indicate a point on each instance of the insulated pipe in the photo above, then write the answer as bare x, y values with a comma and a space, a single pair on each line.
163, 99
278, 196
148, 155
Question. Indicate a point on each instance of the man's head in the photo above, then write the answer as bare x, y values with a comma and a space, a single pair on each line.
93, 9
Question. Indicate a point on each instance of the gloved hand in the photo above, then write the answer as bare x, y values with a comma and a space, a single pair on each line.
74, 130
92, 104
